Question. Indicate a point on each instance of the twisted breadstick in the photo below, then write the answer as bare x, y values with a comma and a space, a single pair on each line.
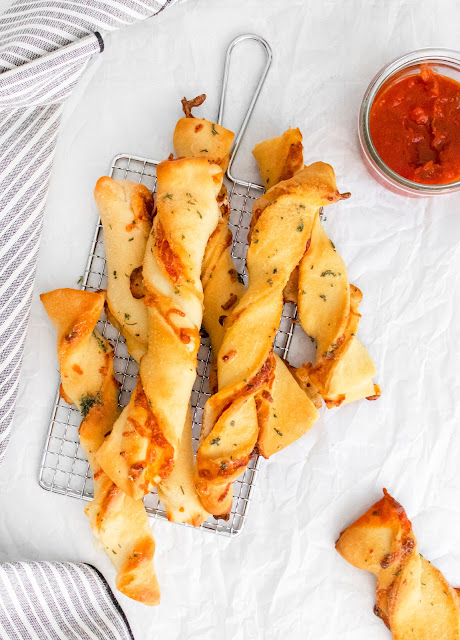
86, 363
139, 454
327, 304
413, 598
223, 288
126, 210
328, 311
126, 213
282, 222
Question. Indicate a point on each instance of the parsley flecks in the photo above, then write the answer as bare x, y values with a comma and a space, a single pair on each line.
232, 423
216, 440
87, 402
301, 225
333, 245
127, 316
100, 342
277, 431
213, 130
167, 196
270, 282
323, 297
275, 270
223, 466
131, 239
304, 293
199, 214
328, 272
115, 275
256, 241
302, 206
203, 151
182, 490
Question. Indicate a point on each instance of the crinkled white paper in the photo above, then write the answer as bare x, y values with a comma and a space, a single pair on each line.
281, 579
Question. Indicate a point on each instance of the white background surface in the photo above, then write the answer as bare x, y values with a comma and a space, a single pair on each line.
281, 579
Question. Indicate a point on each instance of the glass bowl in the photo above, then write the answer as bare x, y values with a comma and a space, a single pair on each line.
446, 62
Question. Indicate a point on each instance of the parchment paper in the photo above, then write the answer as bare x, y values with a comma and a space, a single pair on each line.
281, 579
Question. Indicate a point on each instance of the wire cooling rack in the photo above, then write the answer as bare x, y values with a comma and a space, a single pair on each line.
64, 468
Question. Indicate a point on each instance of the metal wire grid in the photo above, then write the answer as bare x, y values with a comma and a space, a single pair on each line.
64, 468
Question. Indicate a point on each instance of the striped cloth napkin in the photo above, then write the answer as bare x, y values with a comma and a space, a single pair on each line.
45, 46
58, 601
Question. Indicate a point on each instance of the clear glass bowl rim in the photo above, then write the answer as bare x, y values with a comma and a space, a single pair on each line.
428, 55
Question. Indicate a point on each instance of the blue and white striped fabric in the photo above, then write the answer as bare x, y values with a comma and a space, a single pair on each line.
58, 601
44, 48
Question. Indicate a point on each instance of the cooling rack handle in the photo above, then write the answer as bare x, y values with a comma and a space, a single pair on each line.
223, 96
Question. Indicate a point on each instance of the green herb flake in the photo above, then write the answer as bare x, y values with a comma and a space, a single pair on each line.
87, 402
333, 245
115, 275
131, 239
223, 466
183, 492
328, 272
203, 151
213, 130
216, 440
100, 342
168, 196
301, 225
232, 422
277, 431
127, 316
275, 270
323, 297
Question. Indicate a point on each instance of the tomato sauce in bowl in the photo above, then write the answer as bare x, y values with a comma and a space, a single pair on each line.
409, 124
415, 127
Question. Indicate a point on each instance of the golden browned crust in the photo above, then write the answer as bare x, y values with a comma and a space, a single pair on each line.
142, 449
412, 597
86, 363
188, 105
126, 209
201, 138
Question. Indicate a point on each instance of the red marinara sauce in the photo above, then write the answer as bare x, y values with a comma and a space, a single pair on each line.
415, 127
